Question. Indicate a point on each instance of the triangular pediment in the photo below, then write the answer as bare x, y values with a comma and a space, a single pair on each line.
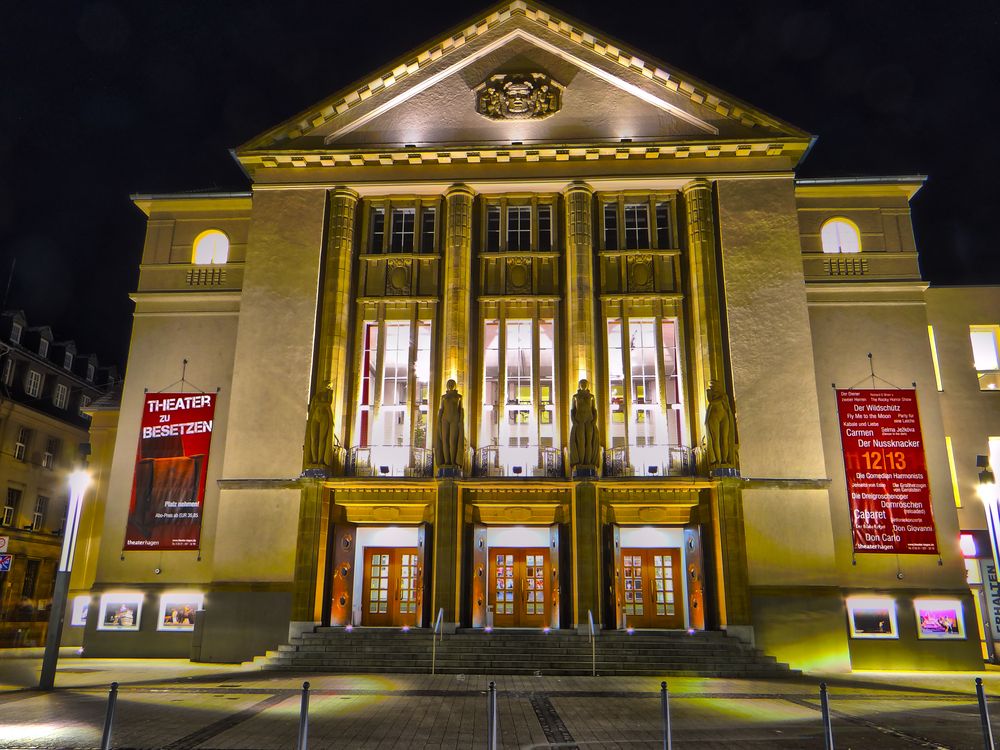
607, 93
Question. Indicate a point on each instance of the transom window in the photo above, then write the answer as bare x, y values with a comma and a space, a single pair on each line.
408, 228
211, 247
626, 224
644, 390
512, 226
840, 236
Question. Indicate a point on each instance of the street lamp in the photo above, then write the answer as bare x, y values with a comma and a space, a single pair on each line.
79, 480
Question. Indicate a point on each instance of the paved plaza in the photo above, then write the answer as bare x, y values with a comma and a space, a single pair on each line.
178, 705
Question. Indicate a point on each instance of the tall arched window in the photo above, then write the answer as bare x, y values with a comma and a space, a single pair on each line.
210, 247
840, 236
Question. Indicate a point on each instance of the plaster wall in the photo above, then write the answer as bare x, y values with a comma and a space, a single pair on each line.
896, 334
768, 326
788, 537
159, 343
277, 330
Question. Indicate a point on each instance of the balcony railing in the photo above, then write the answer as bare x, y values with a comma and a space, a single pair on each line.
389, 461
649, 461
521, 461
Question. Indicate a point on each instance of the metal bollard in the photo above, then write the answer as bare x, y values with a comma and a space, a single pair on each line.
109, 717
668, 742
824, 704
491, 717
304, 718
984, 715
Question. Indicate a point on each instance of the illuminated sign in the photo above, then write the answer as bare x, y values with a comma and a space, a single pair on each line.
168, 489
887, 484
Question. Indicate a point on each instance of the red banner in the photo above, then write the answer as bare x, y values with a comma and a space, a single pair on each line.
168, 489
887, 482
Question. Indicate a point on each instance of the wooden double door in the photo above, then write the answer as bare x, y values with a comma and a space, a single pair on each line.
651, 590
520, 587
392, 593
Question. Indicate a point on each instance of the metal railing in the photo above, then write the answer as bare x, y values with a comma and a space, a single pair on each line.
593, 645
389, 461
649, 461
523, 461
437, 633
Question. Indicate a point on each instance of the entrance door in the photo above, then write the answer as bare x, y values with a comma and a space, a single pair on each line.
520, 588
392, 590
653, 590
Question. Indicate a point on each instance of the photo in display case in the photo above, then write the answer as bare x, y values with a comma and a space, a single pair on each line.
872, 617
120, 611
81, 607
177, 610
940, 619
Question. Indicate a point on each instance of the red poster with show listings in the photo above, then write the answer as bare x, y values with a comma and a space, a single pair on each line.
168, 488
887, 484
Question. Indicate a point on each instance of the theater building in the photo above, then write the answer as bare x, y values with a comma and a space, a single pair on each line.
518, 206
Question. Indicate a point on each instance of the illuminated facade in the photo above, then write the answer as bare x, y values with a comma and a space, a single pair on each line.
521, 206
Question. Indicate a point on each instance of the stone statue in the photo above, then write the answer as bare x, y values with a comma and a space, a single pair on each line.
720, 428
319, 431
449, 438
584, 438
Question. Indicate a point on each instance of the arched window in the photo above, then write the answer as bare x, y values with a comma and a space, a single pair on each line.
210, 247
841, 236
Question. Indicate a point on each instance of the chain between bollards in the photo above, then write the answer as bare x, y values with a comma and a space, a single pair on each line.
668, 742
109, 717
491, 717
984, 715
824, 704
304, 718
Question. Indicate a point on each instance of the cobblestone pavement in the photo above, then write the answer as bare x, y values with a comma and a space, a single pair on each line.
180, 706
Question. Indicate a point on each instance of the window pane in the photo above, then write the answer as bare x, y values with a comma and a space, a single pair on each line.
672, 385
402, 230
366, 396
636, 226
663, 236
517, 429
616, 385
378, 230
423, 383
839, 236
544, 228
493, 228
519, 228
491, 384
427, 244
984, 349
546, 383
610, 226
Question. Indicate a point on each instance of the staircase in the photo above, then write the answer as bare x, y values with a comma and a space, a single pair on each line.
387, 650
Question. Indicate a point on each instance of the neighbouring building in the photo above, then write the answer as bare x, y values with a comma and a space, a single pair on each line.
520, 205
45, 385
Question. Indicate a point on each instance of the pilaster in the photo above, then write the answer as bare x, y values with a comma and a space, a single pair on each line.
705, 307
586, 556
732, 574
457, 303
310, 554
579, 290
447, 553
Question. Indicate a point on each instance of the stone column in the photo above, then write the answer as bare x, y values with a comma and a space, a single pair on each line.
456, 318
332, 378
579, 293
587, 557
705, 299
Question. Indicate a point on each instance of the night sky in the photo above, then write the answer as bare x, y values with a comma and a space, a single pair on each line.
103, 99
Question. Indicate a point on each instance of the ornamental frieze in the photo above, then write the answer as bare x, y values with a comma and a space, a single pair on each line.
518, 96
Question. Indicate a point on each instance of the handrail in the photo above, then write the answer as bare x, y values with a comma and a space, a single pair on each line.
593, 645
434, 639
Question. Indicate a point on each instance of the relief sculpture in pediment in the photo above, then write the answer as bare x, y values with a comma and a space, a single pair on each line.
518, 96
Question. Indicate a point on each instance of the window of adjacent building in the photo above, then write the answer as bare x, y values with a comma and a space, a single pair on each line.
840, 236
8, 371
41, 509
21, 446
30, 578
211, 247
625, 224
84, 402
15, 332
407, 228
33, 385
518, 414
524, 227
644, 391
985, 356
61, 396
394, 397
11, 502
90, 373
51, 451
68, 361
43, 348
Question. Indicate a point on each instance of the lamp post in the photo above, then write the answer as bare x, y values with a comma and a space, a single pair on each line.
79, 480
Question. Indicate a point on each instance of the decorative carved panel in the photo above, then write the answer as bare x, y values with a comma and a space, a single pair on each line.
640, 273
518, 96
398, 276
518, 275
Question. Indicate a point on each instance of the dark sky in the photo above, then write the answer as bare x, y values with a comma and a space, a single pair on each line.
102, 99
